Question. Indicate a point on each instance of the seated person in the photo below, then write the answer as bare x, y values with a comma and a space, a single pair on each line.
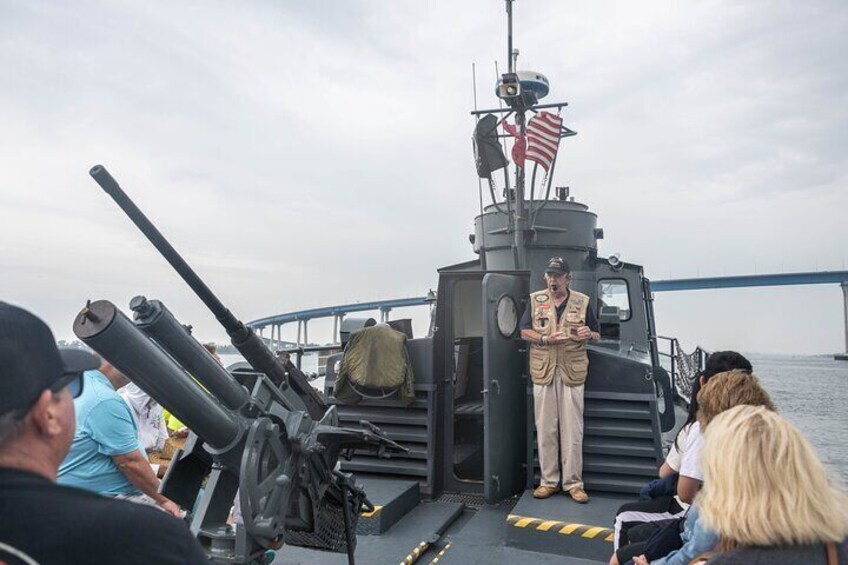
150, 421
722, 392
40, 521
106, 456
633, 514
782, 508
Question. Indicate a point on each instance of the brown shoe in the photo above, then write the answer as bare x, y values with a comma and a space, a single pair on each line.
544, 491
579, 495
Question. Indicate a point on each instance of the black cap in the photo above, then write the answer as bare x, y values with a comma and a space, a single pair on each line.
30, 362
558, 266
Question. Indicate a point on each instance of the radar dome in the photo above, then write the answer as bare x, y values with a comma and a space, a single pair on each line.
535, 82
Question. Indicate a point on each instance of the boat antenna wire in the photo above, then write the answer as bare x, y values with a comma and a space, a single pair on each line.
479, 180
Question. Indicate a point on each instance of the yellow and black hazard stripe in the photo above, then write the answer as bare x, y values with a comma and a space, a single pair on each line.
558, 527
373, 513
440, 554
415, 553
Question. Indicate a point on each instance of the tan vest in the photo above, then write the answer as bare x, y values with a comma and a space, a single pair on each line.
569, 359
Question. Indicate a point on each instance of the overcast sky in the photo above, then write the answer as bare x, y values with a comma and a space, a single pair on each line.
307, 154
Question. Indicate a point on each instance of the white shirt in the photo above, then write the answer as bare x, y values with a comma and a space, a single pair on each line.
675, 452
690, 462
148, 415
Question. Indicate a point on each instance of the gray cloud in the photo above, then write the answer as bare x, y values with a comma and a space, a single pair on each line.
306, 154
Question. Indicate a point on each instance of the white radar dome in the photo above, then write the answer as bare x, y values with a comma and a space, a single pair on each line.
535, 82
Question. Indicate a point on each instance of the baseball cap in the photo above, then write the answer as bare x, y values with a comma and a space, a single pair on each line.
30, 361
558, 266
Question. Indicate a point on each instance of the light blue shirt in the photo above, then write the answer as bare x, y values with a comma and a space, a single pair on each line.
696, 540
105, 428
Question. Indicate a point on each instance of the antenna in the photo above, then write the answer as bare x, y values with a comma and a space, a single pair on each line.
479, 180
509, 35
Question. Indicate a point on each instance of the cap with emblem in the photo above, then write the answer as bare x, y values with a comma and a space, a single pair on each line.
30, 361
557, 266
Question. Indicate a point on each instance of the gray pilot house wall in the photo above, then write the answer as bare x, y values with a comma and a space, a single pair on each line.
470, 429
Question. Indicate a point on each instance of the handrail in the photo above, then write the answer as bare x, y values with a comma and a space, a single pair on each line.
302, 317
328, 311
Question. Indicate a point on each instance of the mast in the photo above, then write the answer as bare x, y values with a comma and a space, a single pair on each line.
519, 219
521, 91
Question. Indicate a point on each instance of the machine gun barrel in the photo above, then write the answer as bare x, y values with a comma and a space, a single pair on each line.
154, 319
111, 334
255, 352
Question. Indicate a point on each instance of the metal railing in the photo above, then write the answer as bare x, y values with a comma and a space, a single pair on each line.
302, 317
301, 350
682, 366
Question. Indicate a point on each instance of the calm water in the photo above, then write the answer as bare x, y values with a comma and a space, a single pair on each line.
812, 392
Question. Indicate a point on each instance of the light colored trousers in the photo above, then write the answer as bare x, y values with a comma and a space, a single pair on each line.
559, 430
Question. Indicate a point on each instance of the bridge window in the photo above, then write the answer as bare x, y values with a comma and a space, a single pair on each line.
614, 292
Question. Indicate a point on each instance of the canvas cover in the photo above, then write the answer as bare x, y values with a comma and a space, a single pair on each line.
375, 365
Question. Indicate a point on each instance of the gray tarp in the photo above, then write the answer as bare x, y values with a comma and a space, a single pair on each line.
375, 364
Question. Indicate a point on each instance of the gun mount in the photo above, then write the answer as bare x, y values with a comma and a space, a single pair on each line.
267, 448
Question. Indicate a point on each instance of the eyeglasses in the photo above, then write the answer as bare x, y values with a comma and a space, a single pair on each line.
73, 382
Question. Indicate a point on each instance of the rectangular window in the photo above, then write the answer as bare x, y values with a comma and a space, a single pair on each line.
614, 292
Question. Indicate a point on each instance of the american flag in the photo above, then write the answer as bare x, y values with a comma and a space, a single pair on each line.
543, 138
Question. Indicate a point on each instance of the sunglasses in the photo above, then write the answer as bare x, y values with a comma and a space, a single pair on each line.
73, 382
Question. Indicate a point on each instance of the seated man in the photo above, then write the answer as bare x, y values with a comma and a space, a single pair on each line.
106, 456
41, 521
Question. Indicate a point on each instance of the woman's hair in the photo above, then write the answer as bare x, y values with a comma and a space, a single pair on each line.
692, 415
729, 389
764, 484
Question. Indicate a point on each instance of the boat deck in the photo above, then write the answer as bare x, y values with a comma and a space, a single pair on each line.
522, 529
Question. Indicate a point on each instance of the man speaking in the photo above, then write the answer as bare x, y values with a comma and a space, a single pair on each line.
557, 323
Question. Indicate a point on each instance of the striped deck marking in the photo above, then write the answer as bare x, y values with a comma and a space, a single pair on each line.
375, 512
440, 555
570, 528
545, 526
558, 527
415, 553
524, 522
592, 532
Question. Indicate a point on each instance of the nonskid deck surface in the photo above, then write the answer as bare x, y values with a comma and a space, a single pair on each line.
392, 547
555, 530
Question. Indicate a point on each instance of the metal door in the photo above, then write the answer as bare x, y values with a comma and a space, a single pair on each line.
504, 365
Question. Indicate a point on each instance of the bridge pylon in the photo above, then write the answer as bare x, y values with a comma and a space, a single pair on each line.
844, 356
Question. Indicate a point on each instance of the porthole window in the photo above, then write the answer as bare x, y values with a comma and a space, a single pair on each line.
507, 316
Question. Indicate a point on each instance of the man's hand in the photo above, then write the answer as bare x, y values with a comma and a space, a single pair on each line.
640, 560
584, 333
557, 337
170, 507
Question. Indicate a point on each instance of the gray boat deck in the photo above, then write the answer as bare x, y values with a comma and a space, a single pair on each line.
555, 530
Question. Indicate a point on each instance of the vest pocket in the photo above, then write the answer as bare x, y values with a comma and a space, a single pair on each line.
579, 367
539, 360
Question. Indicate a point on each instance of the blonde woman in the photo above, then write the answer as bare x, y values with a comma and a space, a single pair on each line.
767, 495
724, 391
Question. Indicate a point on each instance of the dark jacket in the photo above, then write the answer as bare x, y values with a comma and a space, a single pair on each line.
791, 555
